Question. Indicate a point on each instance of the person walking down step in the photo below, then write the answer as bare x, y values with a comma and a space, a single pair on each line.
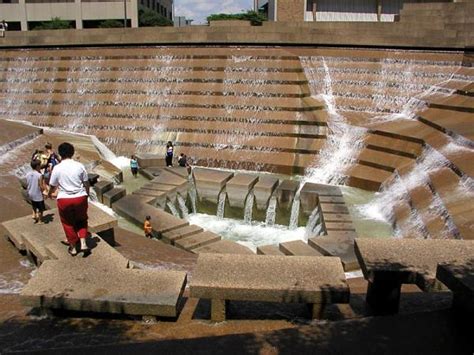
35, 187
147, 227
71, 179
134, 165
169, 154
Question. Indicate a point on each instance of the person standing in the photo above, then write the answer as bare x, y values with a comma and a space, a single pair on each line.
147, 227
169, 154
52, 161
70, 178
35, 187
134, 165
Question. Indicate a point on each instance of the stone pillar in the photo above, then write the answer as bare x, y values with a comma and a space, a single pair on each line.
132, 11
78, 13
315, 9
379, 10
24, 16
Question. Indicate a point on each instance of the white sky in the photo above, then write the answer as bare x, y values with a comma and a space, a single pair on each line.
198, 10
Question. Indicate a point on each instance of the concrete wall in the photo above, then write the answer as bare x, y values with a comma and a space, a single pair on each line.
290, 10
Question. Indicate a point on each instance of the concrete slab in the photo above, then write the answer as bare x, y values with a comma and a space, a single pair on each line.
197, 240
174, 235
101, 187
459, 278
178, 170
263, 190
298, 247
146, 160
285, 192
113, 195
410, 260
134, 208
309, 200
322, 189
165, 177
154, 197
251, 278
332, 199
170, 190
337, 218
238, 187
338, 226
333, 208
269, 250
224, 246
209, 183
99, 288
341, 246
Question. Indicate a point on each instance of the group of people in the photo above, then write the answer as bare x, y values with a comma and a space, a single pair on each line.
65, 179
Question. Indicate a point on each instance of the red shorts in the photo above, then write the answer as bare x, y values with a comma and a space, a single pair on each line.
73, 215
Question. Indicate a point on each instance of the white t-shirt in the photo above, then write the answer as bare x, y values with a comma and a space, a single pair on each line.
70, 176
32, 181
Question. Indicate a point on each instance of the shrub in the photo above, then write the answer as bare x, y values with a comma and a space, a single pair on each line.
255, 18
149, 18
111, 24
55, 24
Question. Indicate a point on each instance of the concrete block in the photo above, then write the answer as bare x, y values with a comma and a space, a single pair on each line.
113, 195
238, 187
223, 246
285, 193
209, 183
102, 187
176, 234
263, 190
298, 247
197, 240
269, 250
146, 160
340, 245
322, 189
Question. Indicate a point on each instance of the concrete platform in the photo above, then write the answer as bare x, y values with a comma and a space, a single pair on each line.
26, 235
238, 188
285, 192
134, 208
178, 170
176, 234
312, 280
81, 285
209, 183
113, 195
339, 226
224, 246
197, 240
322, 189
102, 187
341, 246
332, 199
333, 208
146, 160
263, 190
298, 247
459, 278
269, 250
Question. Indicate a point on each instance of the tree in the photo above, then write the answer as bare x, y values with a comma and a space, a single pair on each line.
55, 24
256, 18
149, 18
110, 24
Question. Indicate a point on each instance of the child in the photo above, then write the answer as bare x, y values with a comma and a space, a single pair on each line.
134, 166
147, 228
35, 188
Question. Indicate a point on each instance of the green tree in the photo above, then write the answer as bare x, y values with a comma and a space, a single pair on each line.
149, 18
55, 24
256, 18
111, 24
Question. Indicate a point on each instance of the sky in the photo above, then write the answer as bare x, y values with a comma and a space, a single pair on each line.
198, 10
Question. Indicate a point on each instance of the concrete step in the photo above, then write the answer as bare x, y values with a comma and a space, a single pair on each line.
113, 195
333, 208
224, 246
339, 226
197, 240
332, 199
269, 250
176, 234
337, 218
102, 187
341, 246
179, 171
299, 248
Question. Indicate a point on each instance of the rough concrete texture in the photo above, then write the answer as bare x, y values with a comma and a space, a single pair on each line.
322, 189
134, 208
269, 250
178, 170
113, 195
459, 278
340, 245
80, 285
263, 190
285, 192
197, 240
238, 188
209, 183
298, 247
223, 246
300, 279
410, 260
101, 187
176, 234
146, 160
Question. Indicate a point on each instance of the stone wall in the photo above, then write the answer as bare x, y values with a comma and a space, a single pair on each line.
290, 10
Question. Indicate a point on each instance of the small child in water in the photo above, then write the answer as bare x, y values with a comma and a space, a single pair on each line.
147, 228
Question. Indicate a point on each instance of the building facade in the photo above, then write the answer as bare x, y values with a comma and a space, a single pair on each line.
25, 14
336, 10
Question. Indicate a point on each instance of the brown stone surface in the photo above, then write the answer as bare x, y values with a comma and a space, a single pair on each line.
223, 247
285, 192
183, 232
299, 248
338, 245
113, 195
269, 250
263, 190
459, 278
409, 260
248, 277
197, 240
12, 133
238, 187
101, 187
146, 160
209, 183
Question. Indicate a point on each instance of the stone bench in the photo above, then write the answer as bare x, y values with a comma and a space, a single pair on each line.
388, 263
459, 278
316, 281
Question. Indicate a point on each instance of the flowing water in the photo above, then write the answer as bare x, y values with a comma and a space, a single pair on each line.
271, 212
221, 204
183, 207
173, 209
248, 209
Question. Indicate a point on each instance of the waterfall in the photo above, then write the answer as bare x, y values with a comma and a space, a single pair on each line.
183, 207
173, 209
221, 204
271, 212
248, 209
295, 212
313, 220
192, 193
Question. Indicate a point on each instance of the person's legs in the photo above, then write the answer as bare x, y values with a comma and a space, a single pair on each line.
41, 209
35, 213
80, 223
67, 216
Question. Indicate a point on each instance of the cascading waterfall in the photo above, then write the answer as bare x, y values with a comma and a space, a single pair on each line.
271, 211
221, 204
248, 209
295, 211
192, 193
343, 142
173, 209
183, 207
312, 223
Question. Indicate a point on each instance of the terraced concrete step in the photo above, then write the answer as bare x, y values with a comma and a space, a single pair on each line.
337, 245
197, 240
224, 246
269, 250
178, 170
174, 235
332, 199
337, 218
113, 195
322, 189
333, 208
298, 248
134, 208
339, 226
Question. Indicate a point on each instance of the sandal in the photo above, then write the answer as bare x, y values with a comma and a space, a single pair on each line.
72, 251
64, 242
